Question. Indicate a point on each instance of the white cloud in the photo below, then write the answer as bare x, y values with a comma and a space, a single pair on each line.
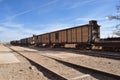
107, 28
13, 31
108, 24
106, 34
11, 24
2, 28
18, 31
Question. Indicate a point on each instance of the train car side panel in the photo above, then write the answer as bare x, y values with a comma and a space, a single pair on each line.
63, 33
85, 34
69, 36
52, 37
79, 35
57, 37
30, 40
45, 38
74, 35
60, 36
38, 40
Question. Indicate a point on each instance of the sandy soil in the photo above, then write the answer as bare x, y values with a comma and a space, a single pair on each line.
99, 63
67, 72
92, 62
22, 70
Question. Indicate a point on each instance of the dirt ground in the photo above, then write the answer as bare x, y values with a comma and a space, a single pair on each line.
99, 63
22, 70
84, 60
52, 65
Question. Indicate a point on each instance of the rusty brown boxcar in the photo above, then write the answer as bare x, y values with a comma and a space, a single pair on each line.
15, 42
83, 37
79, 35
45, 38
53, 38
26, 41
30, 41
37, 40
42, 39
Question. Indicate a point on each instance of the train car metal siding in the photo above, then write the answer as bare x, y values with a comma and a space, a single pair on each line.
73, 36
78, 32
24, 41
35, 39
30, 40
69, 35
62, 36
85, 34
76, 35
52, 37
57, 37
45, 38
39, 40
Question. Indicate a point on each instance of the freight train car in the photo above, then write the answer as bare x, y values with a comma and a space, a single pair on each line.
15, 42
26, 41
109, 44
82, 36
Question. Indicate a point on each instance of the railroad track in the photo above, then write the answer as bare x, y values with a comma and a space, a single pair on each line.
50, 74
110, 55
96, 53
56, 76
104, 54
114, 76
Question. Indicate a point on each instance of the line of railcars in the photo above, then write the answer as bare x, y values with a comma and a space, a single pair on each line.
84, 37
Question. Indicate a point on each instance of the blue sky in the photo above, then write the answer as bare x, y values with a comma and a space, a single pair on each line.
22, 18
